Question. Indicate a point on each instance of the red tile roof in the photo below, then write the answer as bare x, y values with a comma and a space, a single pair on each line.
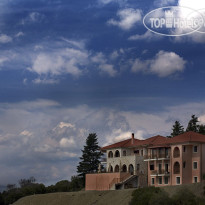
188, 137
128, 142
158, 140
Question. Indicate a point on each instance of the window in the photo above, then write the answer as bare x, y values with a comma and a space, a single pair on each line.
151, 166
117, 153
110, 154
195, 179
195, 165
177, 180
176, 152
152, 181
184, 164
142, 152
195, 149
166, 180
160, 168
137, 152
166, 168
160, 180
138, 167
117, 168
124, 153
124, 168
184, 148
176, 168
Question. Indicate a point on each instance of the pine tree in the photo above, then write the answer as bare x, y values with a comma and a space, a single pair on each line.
177, 129
202, 129
91, 155
192, 125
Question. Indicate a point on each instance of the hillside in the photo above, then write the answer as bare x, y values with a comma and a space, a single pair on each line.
121, 197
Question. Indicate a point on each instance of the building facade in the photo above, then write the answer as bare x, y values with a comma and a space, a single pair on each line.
156, 161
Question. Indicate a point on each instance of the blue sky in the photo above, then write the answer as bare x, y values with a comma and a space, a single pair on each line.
68, 68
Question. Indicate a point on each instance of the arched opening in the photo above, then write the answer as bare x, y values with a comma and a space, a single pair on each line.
110, 154
124, 168
176, 152
176, 168
131, 169
110, 169
124, 153
117, 153
117, 168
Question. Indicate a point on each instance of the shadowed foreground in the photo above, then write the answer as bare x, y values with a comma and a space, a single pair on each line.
121, 197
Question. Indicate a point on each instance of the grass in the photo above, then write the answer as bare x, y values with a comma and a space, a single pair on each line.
122, 197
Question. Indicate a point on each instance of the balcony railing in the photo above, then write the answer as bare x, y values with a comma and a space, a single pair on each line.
157, 156
160, 172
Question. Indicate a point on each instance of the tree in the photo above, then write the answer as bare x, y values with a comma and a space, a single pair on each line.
177, 129
192, 125
202, 129
26, 182
91, 155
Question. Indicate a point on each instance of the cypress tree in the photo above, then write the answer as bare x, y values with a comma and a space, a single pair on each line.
91, 155
177, 129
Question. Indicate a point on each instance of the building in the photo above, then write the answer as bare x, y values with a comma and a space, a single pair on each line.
156, 161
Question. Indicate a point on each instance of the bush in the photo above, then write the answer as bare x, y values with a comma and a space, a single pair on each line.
185, 197
143, 196
160, 198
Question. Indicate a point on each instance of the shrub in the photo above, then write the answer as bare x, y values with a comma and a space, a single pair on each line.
142, 196
160, 198
185, 197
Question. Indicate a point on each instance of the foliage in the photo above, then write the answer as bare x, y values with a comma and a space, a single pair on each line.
193, 124
142, 196
177, 129
185, 197
27, 182
91, 155
157, 196
29, 187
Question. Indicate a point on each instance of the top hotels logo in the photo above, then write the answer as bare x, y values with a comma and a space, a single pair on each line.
174, 21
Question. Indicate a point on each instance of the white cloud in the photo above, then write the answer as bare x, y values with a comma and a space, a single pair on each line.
108, 69
103, 64
146, 36
202, 119
65, 60
45, 81
26, 133
52, 135
64, 142
120, 2
64, 124
5, 39
19, 34
195, 36
127, 18
164, 2
3, 60
33, 17
163, 64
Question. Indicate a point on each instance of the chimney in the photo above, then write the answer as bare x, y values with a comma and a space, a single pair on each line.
133, 137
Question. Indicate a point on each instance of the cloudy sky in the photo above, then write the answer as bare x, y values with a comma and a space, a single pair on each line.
69, 68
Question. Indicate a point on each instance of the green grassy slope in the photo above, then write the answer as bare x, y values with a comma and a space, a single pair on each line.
121, 197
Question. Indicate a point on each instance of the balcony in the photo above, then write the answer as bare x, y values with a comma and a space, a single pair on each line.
156, 157
161, 172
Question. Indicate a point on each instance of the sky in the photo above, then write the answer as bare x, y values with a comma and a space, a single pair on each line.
69, 68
